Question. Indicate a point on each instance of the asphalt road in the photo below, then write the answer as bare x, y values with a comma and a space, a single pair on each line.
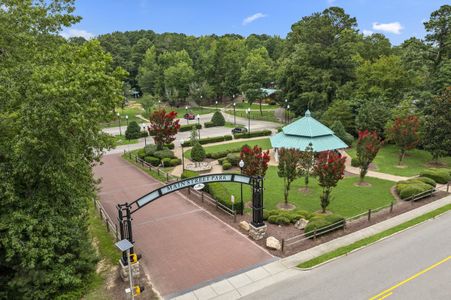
415, 264
204, 132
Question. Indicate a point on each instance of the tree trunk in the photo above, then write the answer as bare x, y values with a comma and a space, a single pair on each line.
261, 111
401, 156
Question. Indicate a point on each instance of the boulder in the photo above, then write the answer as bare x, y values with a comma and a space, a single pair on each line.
244, 225
273, 243
301, 223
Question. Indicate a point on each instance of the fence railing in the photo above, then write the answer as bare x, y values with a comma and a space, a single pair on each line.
207, 198
111, 226
161, 173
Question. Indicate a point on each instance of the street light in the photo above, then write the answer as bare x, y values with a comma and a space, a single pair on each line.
288, 113
159, 103
249, 120
241, 164
145, 137
183, 155
234, 115
187, 117
126, 118
119, 118
198, 124
216, 102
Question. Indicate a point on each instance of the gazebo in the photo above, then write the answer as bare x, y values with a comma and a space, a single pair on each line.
304, 131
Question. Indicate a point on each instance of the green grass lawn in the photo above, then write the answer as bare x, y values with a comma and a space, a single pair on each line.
255, 106
347, 199
231, 125
268, 115
263, 143
415, 161
181, 111
131, 112
120, 140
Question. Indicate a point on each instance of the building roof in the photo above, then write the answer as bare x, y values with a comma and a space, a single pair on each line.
307, 130
269, 92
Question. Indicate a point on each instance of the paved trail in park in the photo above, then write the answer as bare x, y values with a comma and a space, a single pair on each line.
183, 246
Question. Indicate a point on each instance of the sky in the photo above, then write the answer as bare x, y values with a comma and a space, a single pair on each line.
398, 20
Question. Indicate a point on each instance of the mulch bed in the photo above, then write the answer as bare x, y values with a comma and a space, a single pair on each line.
285, 232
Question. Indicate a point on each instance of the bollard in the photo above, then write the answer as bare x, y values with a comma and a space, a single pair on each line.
167, 177
158, 171
107, 226
369, 214
283, 245
234, 216
314, 235
391, 207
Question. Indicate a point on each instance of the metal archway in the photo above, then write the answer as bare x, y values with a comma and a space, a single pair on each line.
126, 210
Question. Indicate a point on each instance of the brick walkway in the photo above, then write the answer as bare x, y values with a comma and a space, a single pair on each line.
183, 246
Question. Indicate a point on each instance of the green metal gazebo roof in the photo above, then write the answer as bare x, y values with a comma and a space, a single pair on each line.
307, 130
269, 92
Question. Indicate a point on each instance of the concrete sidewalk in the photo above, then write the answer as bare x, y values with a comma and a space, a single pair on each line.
258, 278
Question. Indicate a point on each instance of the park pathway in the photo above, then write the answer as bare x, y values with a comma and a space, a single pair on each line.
183, 246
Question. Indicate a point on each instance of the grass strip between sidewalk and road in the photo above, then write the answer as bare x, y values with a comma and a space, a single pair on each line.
369, 240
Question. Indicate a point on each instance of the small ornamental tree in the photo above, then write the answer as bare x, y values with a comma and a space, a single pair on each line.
133, 131
306, 162
163, 127
404, 132
197, 152
289, 168
218, 119
255, 161
329, 168
368, 144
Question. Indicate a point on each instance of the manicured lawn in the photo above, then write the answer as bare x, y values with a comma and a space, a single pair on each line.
181, 111
415, 161
347, 199
120, 140
263, 143
255, 106
268, 115
131, 112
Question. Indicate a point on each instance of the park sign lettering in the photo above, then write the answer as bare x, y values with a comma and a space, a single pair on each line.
191, 182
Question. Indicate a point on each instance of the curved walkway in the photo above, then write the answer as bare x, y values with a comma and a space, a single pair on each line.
183, 246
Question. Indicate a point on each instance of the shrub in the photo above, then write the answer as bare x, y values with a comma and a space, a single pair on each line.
438, 175
210, 140
355, 162
189, 127
234, 158
209, 124
164, 154
175, 162
268, 213
279, 220
216, 155
339, 130
292, 216
133, 131
323, 224
141, 153
218, 119
198, 153
412, 190
189, 174
169, 146
427, 180
220, 193
252, 134
166, 162
144, 133
226, 165
154, 161
150, 149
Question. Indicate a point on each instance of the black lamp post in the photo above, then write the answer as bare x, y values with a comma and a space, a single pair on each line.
145, 137
216, 103
119, 119
183, 155
187, 117
159, 103
126, 118
249, 120
234, 114
198, 124
286, 103
288, 113
241, 164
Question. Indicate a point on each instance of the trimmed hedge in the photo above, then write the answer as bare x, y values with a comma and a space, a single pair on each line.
169, 146
252, 134
280, 217
218, 119
189, 174
154, 161
414, 186
141, 153
170, 162
210, 140
439, 175
323, 224
220, 154
164, 154
226, 165
209, 124
189, 127
150, 149
233, 158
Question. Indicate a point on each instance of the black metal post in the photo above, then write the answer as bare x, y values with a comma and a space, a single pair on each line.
129, 226
234, 114
241, 199
249, 122
257, 202
198, 126
120, 130
183, 158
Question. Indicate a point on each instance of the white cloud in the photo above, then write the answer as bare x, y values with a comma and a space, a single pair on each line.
253, 18
394, 27
71, 32
330, 2
367, 32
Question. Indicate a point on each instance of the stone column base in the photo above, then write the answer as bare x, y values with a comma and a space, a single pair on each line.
124, 271
257, 233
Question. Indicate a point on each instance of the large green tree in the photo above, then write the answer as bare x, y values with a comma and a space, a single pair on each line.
149, 77
53, 96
